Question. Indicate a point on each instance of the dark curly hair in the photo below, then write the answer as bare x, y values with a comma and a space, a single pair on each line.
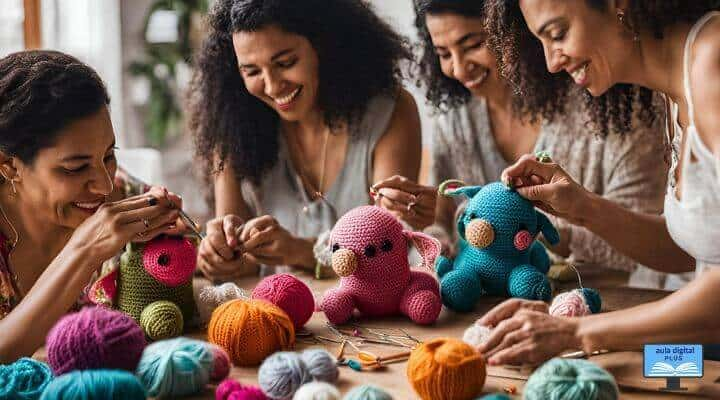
521, 60
41, 92
359, 58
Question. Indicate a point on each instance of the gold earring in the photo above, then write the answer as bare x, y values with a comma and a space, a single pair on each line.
12, 183
625, 24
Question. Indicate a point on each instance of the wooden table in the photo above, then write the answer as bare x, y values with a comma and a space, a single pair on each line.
625, 366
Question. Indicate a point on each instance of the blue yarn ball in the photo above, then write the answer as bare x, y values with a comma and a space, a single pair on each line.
592, 298
282, 374
495, 396
175, 367
95, 384
367, 392
560, 379
25, 379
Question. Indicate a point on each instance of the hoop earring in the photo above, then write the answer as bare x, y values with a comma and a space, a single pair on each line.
626, 25
12, 184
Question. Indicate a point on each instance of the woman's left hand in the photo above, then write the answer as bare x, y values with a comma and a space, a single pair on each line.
171, 200
524, 333
407, 200
265, 241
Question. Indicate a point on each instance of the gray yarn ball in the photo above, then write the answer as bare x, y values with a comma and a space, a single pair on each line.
367, 392
321, 365
282, 374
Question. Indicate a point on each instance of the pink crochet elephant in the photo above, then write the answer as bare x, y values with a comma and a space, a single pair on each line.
370, 254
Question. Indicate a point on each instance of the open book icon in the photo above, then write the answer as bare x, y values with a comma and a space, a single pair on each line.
662, 369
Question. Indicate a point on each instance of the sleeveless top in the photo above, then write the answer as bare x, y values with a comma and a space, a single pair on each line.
693, 220
282, 194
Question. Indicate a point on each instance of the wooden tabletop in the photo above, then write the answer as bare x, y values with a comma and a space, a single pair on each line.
625, 366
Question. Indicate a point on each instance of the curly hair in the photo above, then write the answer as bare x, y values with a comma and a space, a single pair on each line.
41, 92
521, 60
359, 58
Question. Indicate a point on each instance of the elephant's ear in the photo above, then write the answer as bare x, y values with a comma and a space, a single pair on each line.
427, 246
454, 188
547, 228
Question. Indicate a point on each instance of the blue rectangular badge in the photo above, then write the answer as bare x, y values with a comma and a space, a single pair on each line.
673, 360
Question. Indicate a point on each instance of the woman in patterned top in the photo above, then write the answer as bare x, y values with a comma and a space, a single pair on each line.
61, 213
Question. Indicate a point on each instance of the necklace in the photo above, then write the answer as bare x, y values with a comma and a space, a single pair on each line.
16, 238
316, 192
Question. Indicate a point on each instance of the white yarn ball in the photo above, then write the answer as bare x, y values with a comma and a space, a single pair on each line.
317, 391
212, 296
476, 335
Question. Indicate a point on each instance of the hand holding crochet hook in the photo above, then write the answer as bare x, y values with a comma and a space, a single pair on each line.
407, 200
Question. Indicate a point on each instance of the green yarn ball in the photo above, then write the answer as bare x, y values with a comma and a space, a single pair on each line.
162, 320
367, 392
560, 379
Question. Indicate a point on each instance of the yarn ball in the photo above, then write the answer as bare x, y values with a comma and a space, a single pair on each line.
175, 367
446, 369
221, 363
282, 374
162, 320
317, 391
25, 379
476, 335
210, 297
367, 392
171, 261
576, 303
495, 396
572, 379
94, 338
95, 384
230, 389
250, 330
290, 294
321, 365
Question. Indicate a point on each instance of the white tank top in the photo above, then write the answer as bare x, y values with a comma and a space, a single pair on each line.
693, 220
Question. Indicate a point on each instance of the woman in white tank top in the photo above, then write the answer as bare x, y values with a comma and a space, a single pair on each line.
668, 47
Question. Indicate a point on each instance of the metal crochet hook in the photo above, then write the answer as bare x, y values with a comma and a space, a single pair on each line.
191, 224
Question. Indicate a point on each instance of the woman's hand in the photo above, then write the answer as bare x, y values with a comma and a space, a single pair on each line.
549, 187
267, 242
524, 333
115, 224
407, 200
221, 256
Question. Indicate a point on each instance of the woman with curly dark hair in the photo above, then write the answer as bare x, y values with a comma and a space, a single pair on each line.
296, 109
478, 133
64, 207
617, 50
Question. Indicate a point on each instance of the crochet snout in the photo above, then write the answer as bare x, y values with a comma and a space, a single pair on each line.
344, 262
479, 233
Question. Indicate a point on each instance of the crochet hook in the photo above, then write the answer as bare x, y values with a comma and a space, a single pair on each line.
191, 224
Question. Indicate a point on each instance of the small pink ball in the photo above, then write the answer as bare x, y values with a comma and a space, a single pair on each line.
569, 304
290, 294
523, 240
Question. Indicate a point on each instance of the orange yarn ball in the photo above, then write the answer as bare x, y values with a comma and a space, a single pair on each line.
446, 369
250, 330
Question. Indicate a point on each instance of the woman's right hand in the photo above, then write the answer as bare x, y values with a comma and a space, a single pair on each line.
549, 187
221, 255
117, 223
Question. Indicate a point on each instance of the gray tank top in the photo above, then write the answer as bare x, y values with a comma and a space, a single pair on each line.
282, 195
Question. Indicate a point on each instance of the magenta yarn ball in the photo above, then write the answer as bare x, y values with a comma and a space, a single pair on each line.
290, 294
94, 338
230, 389
170, 260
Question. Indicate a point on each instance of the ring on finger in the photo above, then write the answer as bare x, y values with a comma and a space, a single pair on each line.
146, 222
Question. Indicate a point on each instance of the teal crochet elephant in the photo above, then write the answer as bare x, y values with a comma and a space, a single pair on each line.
497, 251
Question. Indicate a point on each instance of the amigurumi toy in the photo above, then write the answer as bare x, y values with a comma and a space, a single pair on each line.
153, 285
370, 254
497, 251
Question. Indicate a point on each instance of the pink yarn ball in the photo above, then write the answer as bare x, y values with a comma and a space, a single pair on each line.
170, 260
569, 304
221, 364
290, 294
95, 338
230, 389
523, 240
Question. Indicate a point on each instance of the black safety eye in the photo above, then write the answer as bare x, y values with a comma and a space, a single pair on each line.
335, 247
472, 216
386, 245
370, 251
523, 227
164, 260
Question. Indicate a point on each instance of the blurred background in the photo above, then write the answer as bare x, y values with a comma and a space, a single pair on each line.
142, 49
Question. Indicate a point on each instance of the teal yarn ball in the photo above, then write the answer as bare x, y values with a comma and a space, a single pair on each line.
367, 392
495, 396
25, 379
95, 384
592, 298
560, 379
175, 367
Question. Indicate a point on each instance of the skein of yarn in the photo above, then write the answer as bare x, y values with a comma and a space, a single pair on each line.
25, 379
321, 365
476, 334
94, 338
96, 384
210, 297
162, 320
282, 374
250, 330
572, 379
367, 392
317, 391
175, 367
495, 396
230, 389
290, 294
576, 303
446, 369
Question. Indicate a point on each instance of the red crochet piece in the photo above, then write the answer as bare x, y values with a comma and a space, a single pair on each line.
169, 260
370, 253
